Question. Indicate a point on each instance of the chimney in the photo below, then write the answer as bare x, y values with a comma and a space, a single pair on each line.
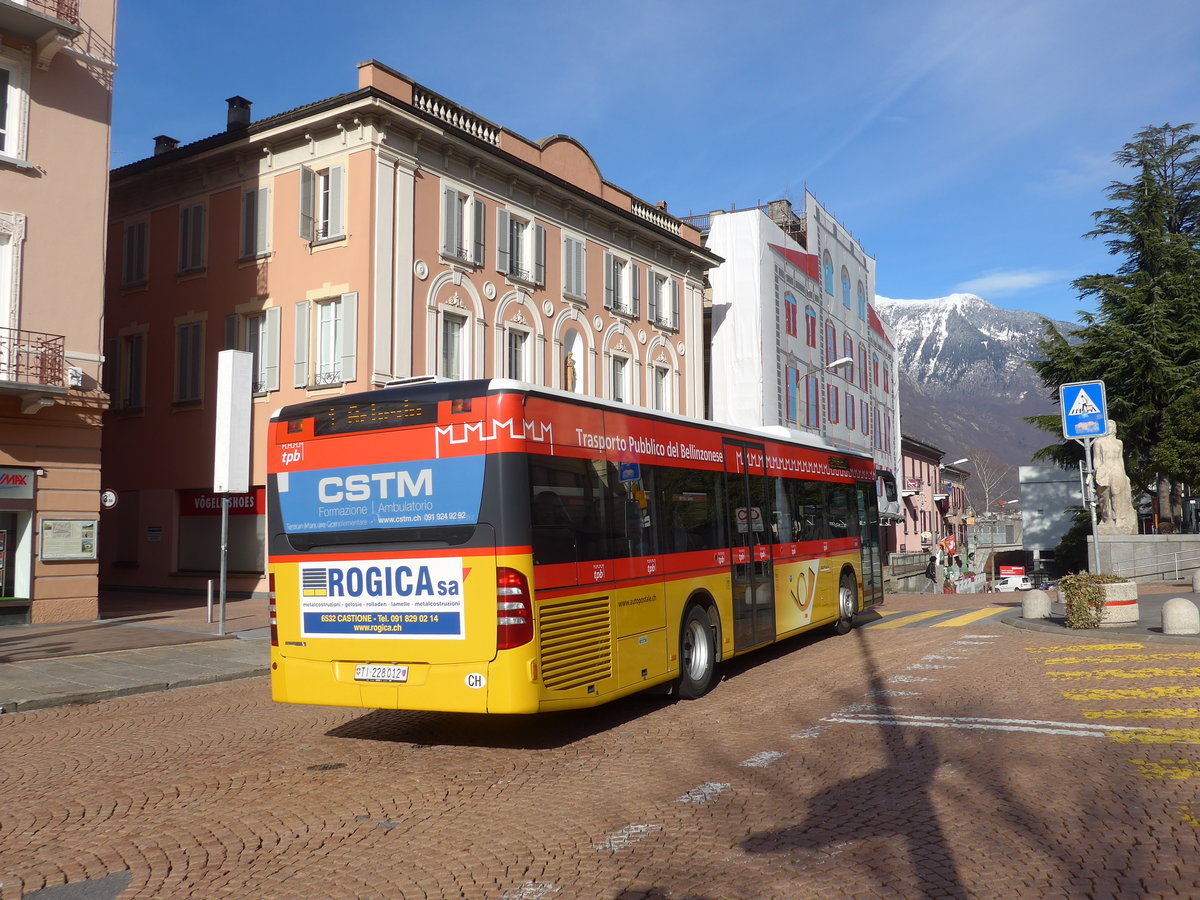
239, 114
164, 144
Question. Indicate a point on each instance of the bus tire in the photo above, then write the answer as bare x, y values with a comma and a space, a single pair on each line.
697, 654
847, 603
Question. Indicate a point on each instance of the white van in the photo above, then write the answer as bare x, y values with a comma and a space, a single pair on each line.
1013, 583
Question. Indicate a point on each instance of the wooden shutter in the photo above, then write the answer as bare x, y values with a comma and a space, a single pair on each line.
581, 268
308, 179
112, 371
651, 296
271, 348
337, 226
300, 345
348, 312
539, 254
450, 226
477, 231
503, 254
608, 281
636, 281
232, 328
262, 219
249, 222
674, 303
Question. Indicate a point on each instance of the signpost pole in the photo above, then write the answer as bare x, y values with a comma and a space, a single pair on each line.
1085, 418
224, 561
1089, 497
231, 457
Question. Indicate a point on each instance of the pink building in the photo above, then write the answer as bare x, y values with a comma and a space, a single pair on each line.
934, 503
379, 234
56, 68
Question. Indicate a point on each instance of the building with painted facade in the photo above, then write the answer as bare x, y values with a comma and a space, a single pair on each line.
795, 339
56, 67
376, 235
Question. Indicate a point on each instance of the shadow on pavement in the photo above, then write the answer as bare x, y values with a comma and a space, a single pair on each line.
893, 800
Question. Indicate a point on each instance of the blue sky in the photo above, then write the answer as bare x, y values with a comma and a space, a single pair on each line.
965, 143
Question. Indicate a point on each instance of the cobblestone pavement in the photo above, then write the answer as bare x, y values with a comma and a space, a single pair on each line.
925, 762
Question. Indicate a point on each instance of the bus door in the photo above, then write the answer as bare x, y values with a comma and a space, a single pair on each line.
747, 488
872, 556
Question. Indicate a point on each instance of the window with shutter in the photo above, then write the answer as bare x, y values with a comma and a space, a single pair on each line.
574, 272
134, 263
256, 208
191, 238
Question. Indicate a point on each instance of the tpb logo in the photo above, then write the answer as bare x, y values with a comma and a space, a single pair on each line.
292, 453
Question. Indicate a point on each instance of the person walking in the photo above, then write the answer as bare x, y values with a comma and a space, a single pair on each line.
931, 584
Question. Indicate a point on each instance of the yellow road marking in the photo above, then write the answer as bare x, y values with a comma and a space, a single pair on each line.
1173, 692
1176, 713
1156, 736
973, 616
1079, 648
909, 619
1122, 673
1131, 657
1173, 769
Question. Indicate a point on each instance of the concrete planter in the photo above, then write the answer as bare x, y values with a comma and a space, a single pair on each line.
1120, 603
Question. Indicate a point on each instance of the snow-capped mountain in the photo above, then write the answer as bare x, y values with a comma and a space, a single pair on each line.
965, 381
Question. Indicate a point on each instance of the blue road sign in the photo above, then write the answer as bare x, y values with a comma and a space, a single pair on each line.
1084, 409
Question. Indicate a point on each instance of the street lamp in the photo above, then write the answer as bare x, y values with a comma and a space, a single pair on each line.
836, 364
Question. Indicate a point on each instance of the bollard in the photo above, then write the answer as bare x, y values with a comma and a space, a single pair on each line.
1035, 605
1196, 582
1180, 616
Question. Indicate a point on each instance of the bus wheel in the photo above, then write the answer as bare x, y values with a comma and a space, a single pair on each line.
847, 603
697, 654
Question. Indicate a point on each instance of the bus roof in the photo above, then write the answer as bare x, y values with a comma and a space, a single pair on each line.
430, 387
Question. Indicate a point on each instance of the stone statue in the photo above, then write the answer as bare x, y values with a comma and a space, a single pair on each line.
1114, 498
569, 366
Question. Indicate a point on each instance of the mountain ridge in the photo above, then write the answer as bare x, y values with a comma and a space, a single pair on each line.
966, 384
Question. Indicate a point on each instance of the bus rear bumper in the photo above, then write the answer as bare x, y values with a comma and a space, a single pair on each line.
458, 687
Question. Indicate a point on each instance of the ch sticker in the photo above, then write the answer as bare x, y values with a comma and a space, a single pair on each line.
475, 681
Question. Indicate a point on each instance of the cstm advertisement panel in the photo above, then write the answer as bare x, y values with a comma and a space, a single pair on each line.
388, 495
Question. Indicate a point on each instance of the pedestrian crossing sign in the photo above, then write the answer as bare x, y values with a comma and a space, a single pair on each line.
1084, 410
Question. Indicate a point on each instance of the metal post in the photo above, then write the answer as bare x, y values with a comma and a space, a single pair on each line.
224, 558
210, 598
1090, 499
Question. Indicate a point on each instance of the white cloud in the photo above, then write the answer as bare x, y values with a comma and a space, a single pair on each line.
1002, 284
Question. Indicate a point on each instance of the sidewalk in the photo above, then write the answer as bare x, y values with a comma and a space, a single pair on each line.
151, 644
141, 644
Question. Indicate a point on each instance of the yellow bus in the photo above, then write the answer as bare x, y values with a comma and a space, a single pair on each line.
495, 547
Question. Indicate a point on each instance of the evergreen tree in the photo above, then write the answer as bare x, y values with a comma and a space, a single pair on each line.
1143, 340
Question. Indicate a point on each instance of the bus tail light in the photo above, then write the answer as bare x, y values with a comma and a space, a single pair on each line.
514, 609
271, 610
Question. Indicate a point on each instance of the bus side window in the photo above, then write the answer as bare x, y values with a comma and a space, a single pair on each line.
810, 510
840, 524
692, 511
782, 526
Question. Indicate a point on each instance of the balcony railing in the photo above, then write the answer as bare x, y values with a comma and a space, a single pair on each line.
32, 357
66, 10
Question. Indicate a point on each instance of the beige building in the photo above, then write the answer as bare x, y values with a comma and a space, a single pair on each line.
56, 66
379, 234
